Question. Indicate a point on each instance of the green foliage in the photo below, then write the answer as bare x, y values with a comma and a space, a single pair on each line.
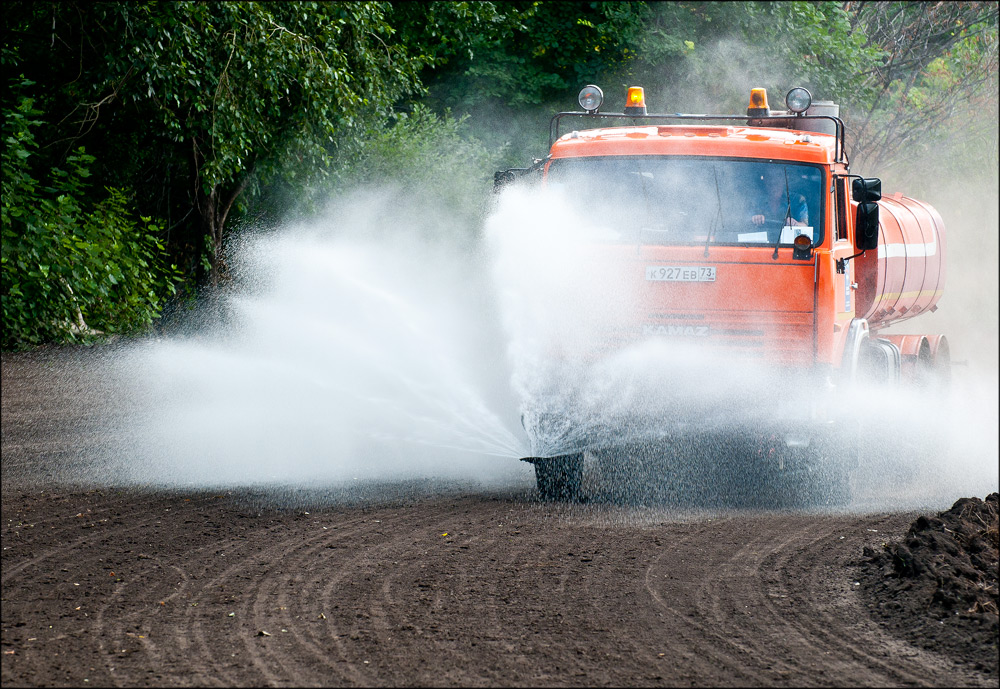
818, 45
444, 33
212, 115
212, 99
70, 273
241, 82
563, 46
423, 156
521, 53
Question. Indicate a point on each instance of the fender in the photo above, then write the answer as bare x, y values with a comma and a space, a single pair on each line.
857, 336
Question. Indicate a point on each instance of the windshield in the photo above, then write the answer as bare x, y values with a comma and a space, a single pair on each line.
686, 200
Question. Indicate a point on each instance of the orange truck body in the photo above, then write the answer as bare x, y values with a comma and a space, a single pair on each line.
812, 305
781, 311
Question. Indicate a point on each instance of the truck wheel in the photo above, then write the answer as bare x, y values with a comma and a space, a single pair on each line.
828, 483
813, 477
559, 478
827, 488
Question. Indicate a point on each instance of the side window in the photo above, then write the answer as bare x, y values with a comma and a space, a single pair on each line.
841, 201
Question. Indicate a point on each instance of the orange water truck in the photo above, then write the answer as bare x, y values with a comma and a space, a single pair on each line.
747, 236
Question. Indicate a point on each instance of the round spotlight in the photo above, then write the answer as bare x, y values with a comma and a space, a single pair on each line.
802, 241
590, 98
798, 100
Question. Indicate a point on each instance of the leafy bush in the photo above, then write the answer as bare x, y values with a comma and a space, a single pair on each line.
427, 161
72, 271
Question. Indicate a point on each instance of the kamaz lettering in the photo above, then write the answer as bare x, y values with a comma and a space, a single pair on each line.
674, 330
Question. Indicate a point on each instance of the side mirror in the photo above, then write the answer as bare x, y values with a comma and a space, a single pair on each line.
866, 225
866, 190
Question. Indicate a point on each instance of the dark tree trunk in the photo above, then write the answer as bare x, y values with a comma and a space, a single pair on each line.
211, 228
214, 207
213, 214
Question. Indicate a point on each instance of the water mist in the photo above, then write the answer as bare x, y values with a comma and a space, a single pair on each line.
380, 343
360, 346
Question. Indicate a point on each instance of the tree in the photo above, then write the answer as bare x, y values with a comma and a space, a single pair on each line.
72, 268
517, 53
204, 114
253, 90
899, 70
217, 97
509, 65
936, 56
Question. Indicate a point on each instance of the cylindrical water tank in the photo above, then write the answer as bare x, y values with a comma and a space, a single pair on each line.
820, 107
905, 276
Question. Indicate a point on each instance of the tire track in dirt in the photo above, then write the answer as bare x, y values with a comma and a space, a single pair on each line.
724, 623
477, 562
77, 557
859, 644
696, 644
370, 623
764, 631
517, 593
284, 564
169, 623
227, 651
317, 577
800, 622
60, 525
385, 595
323, 639
775, 604
146, 611
511, 602
280, 574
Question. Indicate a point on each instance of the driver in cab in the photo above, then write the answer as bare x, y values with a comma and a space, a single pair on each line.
776, 208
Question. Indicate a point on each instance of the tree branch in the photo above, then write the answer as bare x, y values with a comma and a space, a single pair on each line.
240, 188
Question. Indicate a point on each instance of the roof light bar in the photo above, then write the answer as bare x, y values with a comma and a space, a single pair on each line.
758, 114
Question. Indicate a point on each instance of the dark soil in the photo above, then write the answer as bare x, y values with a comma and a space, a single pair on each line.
434, 584
938, 586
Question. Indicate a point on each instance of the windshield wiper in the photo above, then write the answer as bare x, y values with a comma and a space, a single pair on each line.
645, 208
718, 212
788, 213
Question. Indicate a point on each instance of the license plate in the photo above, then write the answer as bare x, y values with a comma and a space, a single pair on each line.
681, 273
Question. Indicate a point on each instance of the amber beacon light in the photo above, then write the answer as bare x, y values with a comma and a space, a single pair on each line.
758, 103
635, 101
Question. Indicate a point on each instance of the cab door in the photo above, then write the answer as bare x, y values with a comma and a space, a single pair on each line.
839, 291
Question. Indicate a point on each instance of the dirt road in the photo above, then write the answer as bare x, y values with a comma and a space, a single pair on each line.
422, 584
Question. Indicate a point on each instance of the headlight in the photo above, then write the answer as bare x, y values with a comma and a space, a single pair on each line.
798, 100
590, 98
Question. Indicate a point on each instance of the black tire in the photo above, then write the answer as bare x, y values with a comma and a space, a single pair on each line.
559, 478
777, 477
827, 483
625, 474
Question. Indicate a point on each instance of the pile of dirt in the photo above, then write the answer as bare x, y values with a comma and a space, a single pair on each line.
938, 586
